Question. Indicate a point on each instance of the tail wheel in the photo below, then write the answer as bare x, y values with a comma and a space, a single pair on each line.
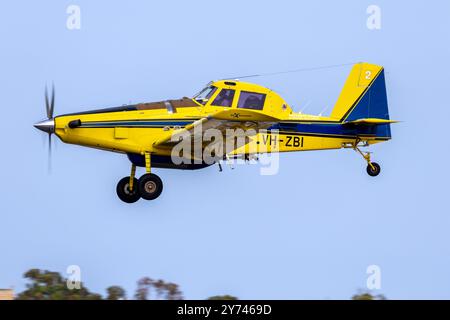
150, 186
374, 169
123, 190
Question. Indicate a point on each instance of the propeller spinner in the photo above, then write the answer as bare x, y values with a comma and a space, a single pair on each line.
49, 124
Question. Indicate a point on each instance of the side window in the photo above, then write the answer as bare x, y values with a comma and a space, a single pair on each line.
224, 98
251, 100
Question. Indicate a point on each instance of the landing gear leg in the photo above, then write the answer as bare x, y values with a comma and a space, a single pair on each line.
373, 169
132, 184
148, 167
150, 185
127, 189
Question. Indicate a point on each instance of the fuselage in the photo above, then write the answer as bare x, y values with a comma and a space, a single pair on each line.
135, 129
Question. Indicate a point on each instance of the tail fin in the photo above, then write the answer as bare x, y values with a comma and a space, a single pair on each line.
364, 97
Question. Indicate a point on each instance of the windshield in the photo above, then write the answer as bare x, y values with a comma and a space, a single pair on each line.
204, 95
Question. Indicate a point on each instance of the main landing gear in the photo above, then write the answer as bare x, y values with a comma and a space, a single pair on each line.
373, 169
148, 187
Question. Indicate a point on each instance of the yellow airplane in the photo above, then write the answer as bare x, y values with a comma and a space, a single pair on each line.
148, 133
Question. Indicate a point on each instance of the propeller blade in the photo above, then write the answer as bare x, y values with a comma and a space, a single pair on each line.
48, 125
47, 104
49, 169
52, 104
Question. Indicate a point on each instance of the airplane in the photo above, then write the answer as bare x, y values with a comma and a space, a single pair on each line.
148, 133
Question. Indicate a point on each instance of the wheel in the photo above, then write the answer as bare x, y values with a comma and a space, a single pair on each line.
150, 186
373, 172
124, 193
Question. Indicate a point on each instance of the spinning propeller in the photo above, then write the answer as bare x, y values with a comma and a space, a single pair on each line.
48, 125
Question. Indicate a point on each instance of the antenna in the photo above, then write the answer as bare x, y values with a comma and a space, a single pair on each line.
290, 71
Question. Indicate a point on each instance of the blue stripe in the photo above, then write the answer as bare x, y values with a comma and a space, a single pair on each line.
146, 123
318, 129
336, 130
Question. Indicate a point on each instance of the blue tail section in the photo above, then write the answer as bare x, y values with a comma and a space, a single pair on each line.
372, 104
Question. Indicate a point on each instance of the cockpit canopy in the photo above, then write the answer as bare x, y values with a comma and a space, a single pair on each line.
205, 94
235, 94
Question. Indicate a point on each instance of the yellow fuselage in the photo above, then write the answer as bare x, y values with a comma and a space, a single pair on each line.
136, 129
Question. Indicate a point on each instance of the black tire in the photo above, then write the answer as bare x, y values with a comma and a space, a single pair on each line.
373, 172
124, 193
150, 186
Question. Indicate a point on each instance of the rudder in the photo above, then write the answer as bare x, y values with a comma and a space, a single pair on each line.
364, 97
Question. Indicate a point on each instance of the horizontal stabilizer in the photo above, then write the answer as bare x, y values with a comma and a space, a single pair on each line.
369, 122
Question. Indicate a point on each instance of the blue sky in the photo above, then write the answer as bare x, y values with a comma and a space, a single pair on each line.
308, 232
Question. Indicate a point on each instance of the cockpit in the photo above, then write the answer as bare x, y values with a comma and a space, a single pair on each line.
232, 94
205, 94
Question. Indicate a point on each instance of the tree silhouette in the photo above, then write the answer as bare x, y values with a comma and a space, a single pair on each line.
115, 293
143, 289
365, 295
223, 297
48, 285
159, 288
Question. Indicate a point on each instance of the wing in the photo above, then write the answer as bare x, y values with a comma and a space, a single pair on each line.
222, 121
